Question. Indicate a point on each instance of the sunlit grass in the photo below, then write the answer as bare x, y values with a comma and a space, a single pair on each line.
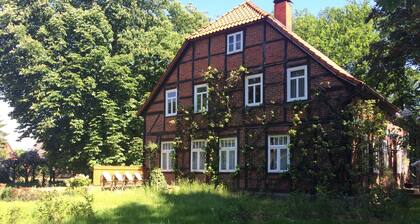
187, 203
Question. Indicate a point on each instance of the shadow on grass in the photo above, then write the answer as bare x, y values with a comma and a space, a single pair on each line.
191, 208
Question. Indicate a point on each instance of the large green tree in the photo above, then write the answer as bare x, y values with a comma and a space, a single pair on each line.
340, 33
394, 60
76, 71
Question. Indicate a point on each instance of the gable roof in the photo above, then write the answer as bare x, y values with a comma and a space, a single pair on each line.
247, 13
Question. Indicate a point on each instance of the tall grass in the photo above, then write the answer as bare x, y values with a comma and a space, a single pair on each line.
200, 203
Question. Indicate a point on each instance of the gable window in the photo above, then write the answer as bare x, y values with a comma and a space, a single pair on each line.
167, 157
198, 155
171, 102
297, 83
254, 90
234, 42
200, 98
228, 154
278, 154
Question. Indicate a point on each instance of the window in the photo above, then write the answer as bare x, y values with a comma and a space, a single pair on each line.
198, 155
234, 42
385, 153
227, 155
171, 102
278, 154
200, 98
167, 157
297, 83
254, 90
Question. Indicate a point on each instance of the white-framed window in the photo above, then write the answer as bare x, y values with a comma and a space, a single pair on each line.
385, 154
400, 165
171, 102
198, 156
235, 42
254, 90
228, 154
297, 83
278, 153
167, 156
200, 98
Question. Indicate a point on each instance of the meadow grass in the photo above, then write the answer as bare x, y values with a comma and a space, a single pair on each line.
189, 203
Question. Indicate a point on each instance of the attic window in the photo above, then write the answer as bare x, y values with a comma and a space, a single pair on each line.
235, 42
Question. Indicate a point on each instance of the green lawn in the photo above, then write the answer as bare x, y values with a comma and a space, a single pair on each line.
195, 203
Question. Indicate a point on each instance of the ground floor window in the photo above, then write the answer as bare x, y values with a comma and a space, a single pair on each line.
167, 157
278, 153
198, 155
228, 154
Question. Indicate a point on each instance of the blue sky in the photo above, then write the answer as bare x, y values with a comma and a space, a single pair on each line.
216, 8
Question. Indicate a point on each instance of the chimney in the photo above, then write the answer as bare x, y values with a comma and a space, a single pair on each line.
283, 12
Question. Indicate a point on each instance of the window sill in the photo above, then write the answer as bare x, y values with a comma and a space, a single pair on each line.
167, 171
234, 52
277, 172
227, 171
170, 115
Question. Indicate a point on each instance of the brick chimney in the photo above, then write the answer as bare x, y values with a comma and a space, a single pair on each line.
283, 12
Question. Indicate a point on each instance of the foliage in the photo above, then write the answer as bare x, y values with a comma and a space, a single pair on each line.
6, 194
76, 71
339, 155
192, 202
340, 33
215, 119
319, 154
79, 180
394, 58
157, 180
54, 208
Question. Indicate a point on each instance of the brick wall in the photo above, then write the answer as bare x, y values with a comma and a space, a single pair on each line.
269, 53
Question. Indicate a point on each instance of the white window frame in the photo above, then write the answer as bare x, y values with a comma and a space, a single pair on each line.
228, 149
278, 148
247, 85
289, 81
169, 159
234, 42
170, 101
385, 154
198, 151
201, 109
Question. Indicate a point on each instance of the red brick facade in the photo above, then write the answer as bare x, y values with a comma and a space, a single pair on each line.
266, 50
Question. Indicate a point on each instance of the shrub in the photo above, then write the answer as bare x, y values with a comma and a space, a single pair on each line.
79, 180
6, 194
157, 180
58, 209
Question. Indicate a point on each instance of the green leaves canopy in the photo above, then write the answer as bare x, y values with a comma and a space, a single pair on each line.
340, 33
76, 71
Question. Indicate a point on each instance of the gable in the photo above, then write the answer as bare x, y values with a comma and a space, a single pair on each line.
194, 55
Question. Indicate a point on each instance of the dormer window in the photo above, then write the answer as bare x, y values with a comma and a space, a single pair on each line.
235, 42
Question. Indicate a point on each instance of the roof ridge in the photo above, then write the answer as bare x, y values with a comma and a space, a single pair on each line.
256, 8
246, 3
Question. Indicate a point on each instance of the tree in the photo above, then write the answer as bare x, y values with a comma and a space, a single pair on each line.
394, 58
2, 138
76, 71
340, 33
